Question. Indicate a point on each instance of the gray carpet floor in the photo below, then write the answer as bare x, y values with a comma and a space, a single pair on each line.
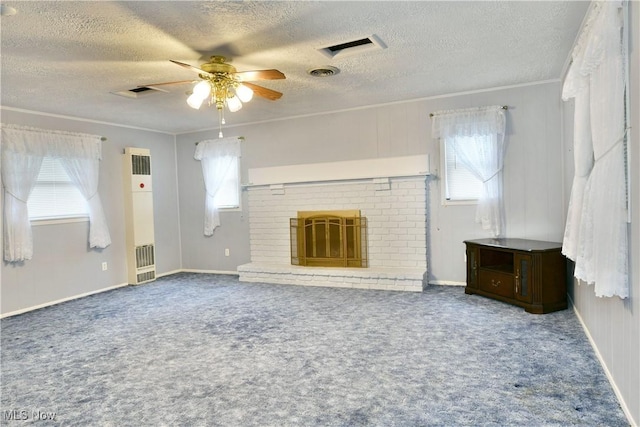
201, 349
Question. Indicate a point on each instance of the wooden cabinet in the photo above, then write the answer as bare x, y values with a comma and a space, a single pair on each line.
527, 273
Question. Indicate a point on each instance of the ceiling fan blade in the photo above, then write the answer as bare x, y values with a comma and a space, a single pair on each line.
179, 82
190, 67
244, 76
263, 91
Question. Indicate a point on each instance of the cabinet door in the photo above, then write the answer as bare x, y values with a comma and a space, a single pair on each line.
523, 277
472, 266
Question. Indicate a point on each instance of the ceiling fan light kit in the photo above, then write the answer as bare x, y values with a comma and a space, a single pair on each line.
220, 91
223, 86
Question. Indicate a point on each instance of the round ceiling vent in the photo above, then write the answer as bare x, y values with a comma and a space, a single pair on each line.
324, 71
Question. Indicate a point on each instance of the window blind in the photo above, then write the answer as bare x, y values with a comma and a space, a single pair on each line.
54, 195
228, 195
460, 184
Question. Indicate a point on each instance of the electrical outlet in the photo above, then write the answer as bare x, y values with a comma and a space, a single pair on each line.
226, 252
104, 266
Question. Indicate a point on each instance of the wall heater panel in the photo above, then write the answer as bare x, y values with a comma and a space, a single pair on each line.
140, 240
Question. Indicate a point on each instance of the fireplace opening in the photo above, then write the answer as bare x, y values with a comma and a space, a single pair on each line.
329, 239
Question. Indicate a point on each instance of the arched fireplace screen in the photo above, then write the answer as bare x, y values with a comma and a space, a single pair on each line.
329, 239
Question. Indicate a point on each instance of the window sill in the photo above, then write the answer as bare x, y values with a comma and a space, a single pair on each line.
459, 202
55, 221
234, 209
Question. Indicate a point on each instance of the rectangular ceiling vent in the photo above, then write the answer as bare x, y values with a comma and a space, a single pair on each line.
139, 92
362, 45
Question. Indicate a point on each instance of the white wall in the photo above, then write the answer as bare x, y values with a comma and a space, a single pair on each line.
63, 266
533, 171
614, 324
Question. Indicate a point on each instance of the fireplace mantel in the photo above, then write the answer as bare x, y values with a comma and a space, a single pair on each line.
341, 171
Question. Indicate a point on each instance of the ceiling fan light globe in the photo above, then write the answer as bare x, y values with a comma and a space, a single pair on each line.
195, 101
244, 93
234, 104
202, 89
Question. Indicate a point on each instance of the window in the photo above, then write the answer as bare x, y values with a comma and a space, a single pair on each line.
476, 136
220, 161
55, 196
459, 184
228, 196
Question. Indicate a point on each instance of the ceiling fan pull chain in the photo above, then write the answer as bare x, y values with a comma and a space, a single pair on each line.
221, 118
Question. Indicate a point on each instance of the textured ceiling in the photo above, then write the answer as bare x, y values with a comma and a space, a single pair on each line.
64, 57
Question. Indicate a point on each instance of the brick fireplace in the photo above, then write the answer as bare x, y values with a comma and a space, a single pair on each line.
395, 211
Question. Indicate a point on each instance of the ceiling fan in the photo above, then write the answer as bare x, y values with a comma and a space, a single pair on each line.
222, 85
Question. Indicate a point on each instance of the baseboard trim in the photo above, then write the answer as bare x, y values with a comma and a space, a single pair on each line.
447, 283
616, 390
50, 303
190, 270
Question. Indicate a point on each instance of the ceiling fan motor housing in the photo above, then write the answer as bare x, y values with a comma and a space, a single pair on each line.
217, 64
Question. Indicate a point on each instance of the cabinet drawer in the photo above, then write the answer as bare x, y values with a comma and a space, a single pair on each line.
496, 282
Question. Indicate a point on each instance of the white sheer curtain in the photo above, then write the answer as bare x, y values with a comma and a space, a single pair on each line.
596, 231
477, 137
216, 157
83, 170
23, 149
20, 168
576, 86
583, 162
601, 241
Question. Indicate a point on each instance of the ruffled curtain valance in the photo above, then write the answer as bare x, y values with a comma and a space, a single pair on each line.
217, 147
468, 122
45, 143
23, 149
216, 157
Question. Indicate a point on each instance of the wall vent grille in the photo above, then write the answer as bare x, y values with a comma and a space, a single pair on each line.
146, 276
140, 165
145, 256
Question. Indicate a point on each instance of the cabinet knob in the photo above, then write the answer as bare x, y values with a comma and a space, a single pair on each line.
494, 283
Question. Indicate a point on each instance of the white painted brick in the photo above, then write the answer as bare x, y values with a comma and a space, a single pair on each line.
399, 233
396, 218
406, 211
408, 225
407, 184
383, 205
